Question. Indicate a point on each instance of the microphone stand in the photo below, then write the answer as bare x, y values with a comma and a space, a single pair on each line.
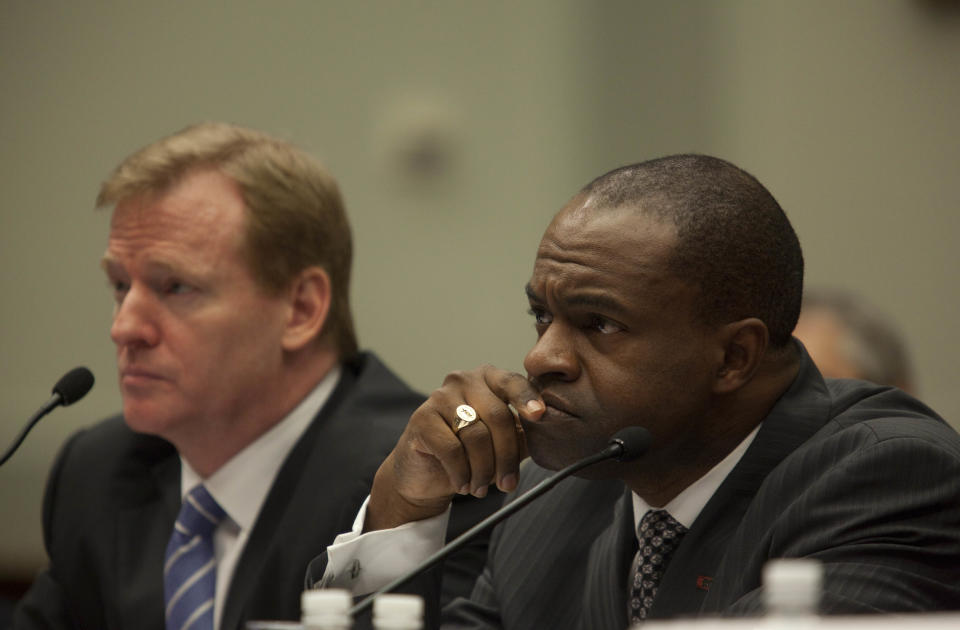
55, 400
614, 450
71, 387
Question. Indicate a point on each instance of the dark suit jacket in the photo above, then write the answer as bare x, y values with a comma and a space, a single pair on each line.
864, 478
113, 496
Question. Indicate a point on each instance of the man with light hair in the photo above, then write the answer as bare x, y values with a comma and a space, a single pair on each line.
252, 426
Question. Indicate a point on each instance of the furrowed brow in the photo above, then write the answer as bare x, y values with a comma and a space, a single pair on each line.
600, 302
108, 263
532, 295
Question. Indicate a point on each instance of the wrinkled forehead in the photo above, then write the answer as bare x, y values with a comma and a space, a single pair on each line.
618, 249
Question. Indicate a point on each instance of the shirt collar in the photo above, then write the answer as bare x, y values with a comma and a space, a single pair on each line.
241, 485
687, 505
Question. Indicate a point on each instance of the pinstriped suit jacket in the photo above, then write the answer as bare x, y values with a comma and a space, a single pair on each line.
864, 478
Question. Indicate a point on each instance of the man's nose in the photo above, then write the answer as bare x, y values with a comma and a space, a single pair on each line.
553, 356
134, 320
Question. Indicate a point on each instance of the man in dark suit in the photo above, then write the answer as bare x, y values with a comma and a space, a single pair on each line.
664, 295
245, 398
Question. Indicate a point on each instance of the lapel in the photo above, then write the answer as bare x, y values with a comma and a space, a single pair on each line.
318, 490
149, 491
278, 515
608, 563
799, 413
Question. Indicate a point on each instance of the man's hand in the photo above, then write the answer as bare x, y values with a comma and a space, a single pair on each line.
432, 461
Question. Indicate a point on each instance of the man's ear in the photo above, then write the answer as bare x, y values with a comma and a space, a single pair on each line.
309, 302
745, 343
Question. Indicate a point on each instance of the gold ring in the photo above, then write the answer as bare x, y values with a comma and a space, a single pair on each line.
467, 415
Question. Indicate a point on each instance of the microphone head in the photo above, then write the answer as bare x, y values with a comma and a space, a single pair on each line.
633, 442
73, 385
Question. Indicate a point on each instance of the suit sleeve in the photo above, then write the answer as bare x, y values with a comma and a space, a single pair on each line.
481, 610
883, 520
461, 568
44, 605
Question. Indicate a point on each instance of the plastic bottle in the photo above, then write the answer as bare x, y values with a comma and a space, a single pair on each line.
791, 592
792, 589
326, 609
398, 612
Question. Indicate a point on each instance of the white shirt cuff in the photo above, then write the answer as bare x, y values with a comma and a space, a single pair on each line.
363, 563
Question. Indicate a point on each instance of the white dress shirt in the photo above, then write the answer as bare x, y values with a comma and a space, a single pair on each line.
363, 563
686, 506
241, 485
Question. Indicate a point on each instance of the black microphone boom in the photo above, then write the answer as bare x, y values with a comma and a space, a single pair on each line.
71, 387
626, 445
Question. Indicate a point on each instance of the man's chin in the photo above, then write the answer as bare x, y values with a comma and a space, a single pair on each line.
147, 420
552, 453
555, 450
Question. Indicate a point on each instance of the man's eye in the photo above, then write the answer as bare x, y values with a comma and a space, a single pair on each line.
119, 288
604, 326
540, 316
178, 288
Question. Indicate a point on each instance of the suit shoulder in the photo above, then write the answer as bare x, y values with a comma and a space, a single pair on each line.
111, 439
375, 399
886, 413
377, 386
97, 469
359, 424
103, 455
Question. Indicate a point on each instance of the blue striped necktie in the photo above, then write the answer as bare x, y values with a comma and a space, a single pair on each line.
190, 572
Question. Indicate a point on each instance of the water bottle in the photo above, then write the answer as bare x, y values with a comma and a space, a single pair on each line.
791, 592
398, 612
326, 609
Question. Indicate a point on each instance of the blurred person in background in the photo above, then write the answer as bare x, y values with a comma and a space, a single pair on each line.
848, 337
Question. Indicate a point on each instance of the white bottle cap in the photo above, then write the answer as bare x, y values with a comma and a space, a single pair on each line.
325, 606
792, 586
398, 611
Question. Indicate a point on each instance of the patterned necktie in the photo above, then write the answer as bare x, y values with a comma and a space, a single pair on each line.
659, 535
190, 572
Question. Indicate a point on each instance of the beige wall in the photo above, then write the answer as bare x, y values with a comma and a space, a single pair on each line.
846, 110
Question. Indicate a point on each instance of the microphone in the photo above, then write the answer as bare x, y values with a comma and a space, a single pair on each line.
71, 387
626, 445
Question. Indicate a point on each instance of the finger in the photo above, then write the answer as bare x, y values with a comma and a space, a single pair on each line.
493, 450
490, 442
517, 390
509, 443
432, 437
469, 422
476, 442
476, 435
